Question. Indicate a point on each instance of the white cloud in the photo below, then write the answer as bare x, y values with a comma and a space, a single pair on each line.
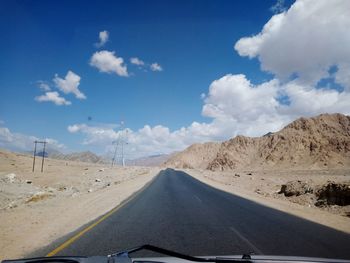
278, 7
243, 108
233, 102
94, 134
44, 86
156, 67
342, 76
103, 37
22, 142
153, 67
70, 84
107, 62
54, 97
147, 140
235, 106
309, 101
137, 61
304, 41
235, 96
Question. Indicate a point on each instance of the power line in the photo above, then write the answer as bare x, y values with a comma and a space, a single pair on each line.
120, 144
115, 151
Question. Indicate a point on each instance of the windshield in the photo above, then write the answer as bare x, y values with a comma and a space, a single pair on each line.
208, 128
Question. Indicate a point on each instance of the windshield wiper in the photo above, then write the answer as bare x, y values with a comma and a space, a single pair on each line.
123, 255
63, 259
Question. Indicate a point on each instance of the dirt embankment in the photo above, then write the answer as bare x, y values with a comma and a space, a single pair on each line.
38, 208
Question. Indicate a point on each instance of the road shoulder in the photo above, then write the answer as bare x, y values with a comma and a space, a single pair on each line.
29, 227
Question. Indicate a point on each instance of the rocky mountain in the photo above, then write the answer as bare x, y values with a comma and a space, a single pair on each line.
306, 143
196, 156
86, 156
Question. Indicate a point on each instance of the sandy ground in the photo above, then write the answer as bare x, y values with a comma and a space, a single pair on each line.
38, 208
263, 187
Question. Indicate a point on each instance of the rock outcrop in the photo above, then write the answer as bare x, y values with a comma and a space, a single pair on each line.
318, 142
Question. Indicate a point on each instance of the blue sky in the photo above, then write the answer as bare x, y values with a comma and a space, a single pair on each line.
192, 41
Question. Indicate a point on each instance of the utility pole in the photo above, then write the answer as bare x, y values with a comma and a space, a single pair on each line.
34, 154
43, 153
42, 162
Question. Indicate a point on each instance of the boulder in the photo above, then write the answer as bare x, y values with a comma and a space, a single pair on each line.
295, 188
11, 178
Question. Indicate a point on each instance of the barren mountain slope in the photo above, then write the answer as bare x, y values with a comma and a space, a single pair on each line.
318, 142
238, 152
195, 156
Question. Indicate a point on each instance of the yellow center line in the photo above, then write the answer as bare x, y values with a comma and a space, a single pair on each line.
88, 228
82, 232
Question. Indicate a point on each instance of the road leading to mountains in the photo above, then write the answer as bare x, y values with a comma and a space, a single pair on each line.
180, 213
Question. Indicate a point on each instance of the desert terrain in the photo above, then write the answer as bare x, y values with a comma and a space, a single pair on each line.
38, 208
303, 170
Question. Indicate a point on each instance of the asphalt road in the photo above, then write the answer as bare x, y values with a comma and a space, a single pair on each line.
180, 213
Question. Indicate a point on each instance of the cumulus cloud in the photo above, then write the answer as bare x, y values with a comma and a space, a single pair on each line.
309, 101
22, 142
107, 61
251, 109
103, 37
254, 110
231, 105
234, 95
305, 41
137, 61
70, 84
43, 86
156, 67
54, 97
153, 67
145, 141
235, 106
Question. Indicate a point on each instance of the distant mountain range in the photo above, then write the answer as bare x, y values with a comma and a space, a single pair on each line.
152, 160
306, 143
86, 156
90, 157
